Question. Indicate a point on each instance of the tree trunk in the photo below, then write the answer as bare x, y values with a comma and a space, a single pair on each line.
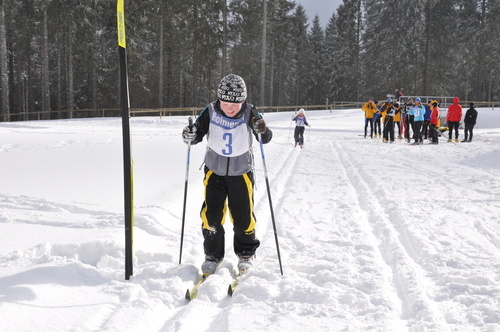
224, 40
263, 58
70, 90
4, 67
160, 64
45, 69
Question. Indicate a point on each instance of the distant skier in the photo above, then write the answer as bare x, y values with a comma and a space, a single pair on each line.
300, 123
453, 118
370, 109
427, 120
389, 111
434, 126
469, 121
228, 124
397, 95
418, 118
377, 129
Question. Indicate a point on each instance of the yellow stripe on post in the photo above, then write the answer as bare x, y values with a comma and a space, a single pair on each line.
120, 17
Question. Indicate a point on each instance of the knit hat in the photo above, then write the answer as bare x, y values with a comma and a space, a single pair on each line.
232, 89
418, 99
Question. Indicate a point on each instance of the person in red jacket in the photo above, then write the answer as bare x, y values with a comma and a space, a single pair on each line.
453, 118
435, 114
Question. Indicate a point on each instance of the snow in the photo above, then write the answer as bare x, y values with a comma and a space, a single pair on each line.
373, 236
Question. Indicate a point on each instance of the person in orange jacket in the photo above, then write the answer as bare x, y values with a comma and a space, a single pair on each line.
435, 114
370, 109
397, 118
453, 118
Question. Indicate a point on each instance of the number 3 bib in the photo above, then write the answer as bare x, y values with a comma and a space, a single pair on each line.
228, 137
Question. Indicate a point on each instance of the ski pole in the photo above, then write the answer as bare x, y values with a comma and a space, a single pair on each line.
257, 116
190, 120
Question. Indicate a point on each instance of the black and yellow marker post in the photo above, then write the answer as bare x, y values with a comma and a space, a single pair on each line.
127, 158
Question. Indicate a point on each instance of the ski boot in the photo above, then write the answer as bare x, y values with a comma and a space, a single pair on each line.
209, 267
245, 263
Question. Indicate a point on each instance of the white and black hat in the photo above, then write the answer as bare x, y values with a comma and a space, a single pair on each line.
232, 89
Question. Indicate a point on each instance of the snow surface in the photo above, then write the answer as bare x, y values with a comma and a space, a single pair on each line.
373, 236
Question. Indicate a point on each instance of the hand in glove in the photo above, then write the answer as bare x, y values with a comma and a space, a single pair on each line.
189, 134
259, 125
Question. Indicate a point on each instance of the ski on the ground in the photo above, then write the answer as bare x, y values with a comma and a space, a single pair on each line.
233, 285
193, 293
236, 281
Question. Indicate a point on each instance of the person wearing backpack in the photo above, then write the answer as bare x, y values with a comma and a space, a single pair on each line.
469, 121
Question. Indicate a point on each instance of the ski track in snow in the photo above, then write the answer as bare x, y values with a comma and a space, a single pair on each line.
367, 242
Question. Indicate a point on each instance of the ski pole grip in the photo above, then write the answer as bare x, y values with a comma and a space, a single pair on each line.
256, 113
190, 121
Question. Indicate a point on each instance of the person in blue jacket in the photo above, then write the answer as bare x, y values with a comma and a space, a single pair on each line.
427, 120
418, 118
300, 122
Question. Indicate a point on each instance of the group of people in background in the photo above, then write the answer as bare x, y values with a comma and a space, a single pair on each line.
424, 121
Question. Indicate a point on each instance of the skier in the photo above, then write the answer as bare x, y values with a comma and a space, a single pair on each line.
434, 120
376, 121
228, 124
397, 118
418, 118
397, 95
453, 118
427, 120
300, 122
470, 121
369, 108
389, 111
408, 119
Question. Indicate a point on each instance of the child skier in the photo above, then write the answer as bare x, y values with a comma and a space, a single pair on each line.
300, 122
228, 124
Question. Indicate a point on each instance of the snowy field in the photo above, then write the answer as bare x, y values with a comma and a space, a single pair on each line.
373, 236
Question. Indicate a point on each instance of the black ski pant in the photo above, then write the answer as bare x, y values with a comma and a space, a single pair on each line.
299, 135
434, 133
453, 125
238, 192
369, 121
411, 124
417, 133
425, 129
378, 129
468, 131
389, 128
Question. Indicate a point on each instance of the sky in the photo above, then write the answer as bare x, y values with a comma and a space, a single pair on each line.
323, 8
372, 236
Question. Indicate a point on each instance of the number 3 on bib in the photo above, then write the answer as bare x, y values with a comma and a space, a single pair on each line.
228, 137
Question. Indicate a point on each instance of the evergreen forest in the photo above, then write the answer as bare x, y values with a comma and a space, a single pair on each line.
58, 55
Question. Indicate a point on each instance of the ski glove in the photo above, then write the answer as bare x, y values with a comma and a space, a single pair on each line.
189, 134
259, 125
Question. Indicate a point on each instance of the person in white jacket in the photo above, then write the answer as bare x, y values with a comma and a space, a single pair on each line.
300, 123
